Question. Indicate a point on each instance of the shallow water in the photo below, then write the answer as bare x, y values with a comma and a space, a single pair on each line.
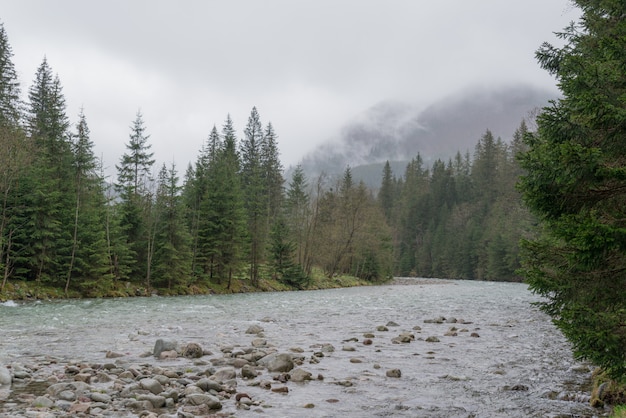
460, 376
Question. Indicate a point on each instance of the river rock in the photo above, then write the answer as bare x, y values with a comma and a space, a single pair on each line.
438, 320
248, 372
396, 373
113, 354
259, 342
151, 385
168, 354
43, 402
157, 401
254, 329
100, 397
277, 362
225, 373
392, 324
432, 339
300, 375
327, 348
198, 399
193, 350
162, 345
5, 376
67, 395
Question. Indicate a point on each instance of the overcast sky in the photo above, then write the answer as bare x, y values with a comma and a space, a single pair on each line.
309, 66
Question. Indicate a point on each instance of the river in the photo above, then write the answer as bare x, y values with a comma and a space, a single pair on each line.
516, 364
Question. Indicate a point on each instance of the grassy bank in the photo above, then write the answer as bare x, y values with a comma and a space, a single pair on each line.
608, 392
39, 291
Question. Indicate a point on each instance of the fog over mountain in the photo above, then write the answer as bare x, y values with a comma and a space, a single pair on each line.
398, 131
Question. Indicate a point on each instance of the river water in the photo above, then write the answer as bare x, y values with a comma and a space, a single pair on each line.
516, 365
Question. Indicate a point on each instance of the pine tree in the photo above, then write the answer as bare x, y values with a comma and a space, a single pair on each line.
273, 173
255, 192
386, 192
575, 181
298, 216
230, 214
172, 259
88, 258
46, 193
133, 185
10, 114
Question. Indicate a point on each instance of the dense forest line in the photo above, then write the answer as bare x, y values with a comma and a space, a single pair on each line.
233, 215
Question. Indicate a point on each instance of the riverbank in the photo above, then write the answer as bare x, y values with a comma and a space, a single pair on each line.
24, 291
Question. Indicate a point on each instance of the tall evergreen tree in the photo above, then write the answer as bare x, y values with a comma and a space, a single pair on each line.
10, 114
47, 192
255, 191
273, 173
133, 183
575, 183
386, 192
88, 257
298, 216
172, 258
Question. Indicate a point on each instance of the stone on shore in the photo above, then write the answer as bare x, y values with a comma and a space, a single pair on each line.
198, 399
162, 345
151, 385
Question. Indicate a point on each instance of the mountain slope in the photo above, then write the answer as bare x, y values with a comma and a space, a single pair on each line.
398, 131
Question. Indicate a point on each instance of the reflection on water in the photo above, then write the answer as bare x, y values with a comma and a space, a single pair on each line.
516, 364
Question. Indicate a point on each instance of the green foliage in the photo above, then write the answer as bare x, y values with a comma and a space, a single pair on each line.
575, 184
172, 258
282, 251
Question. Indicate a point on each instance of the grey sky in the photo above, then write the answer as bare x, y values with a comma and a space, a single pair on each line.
309, 66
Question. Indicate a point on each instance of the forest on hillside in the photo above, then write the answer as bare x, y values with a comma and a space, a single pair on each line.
232, 214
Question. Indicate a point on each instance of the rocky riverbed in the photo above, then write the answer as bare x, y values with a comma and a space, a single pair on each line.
320, 354
185, 381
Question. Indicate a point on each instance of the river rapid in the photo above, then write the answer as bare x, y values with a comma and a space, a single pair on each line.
506, 359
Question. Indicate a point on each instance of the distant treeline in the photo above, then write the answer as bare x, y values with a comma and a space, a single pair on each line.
462, 218
233, 215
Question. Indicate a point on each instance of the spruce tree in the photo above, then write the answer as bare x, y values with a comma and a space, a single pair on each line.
172, 258
575, 181
273, 173
254, 188
10, 114
298, 216
386, 192
42, 246
88, 257
133, 185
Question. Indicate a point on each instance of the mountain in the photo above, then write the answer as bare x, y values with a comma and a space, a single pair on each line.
398, 131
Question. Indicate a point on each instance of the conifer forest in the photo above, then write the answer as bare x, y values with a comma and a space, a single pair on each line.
232, 214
